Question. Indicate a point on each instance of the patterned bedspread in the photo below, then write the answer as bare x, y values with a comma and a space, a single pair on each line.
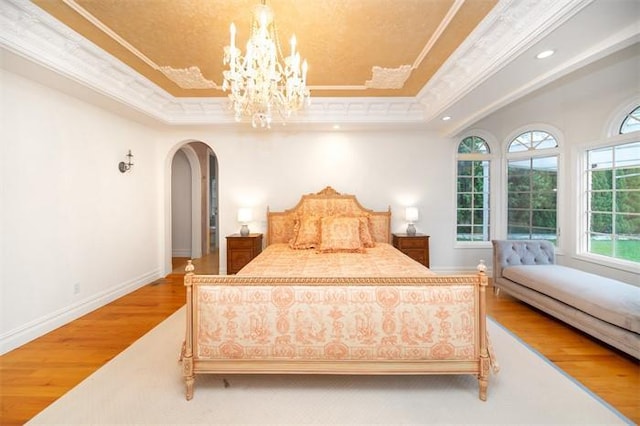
383, 260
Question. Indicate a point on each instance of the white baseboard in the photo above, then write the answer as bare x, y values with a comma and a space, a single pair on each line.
43, 325
181, 253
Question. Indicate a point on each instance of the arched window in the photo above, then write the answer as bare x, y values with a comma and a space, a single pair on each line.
631, 122
532, 179
472, 208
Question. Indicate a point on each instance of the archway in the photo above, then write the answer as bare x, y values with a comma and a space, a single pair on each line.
196, 187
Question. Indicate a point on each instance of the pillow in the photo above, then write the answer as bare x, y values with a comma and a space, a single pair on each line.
365, 235
306, 233
340, 234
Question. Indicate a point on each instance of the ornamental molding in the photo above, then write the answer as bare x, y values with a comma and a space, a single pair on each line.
388, 78
512, 27
188, 78
30, 32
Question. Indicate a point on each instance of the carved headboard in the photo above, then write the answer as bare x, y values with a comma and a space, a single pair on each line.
327, 202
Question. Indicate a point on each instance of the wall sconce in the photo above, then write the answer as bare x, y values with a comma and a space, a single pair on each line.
125, 167
411, 215
244, 217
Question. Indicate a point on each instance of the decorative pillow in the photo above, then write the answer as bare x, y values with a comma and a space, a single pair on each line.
340, 234
365, 234
306, 232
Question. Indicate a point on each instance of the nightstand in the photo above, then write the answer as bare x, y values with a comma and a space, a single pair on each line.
241, 250
415, 246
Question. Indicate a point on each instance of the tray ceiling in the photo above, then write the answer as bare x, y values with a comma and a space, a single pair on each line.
354, 48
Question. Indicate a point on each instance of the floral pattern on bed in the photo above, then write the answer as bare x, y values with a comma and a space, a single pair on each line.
325, 203
382, 260
327, 323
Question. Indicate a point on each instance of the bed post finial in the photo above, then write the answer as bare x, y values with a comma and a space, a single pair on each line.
189, 268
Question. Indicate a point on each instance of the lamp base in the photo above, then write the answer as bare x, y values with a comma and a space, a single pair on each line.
244, 230
411, 230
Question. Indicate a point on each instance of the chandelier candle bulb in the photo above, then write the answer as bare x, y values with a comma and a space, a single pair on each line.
263, 20
232, 30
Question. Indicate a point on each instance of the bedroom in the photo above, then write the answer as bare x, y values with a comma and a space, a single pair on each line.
64, 208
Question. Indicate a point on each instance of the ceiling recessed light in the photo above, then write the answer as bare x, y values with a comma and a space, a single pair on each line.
545, 54
446, 118
336, 127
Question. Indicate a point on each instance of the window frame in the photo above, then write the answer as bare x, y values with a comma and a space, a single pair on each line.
527, 155
582, 224
494, 163
630, 115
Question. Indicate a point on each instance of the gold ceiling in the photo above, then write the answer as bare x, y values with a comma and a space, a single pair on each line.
354, 47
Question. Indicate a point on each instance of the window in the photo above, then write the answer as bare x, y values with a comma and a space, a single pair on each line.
613, 200
532, 180
472, 208
631, 122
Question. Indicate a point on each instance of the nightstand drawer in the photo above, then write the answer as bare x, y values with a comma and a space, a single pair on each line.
241, 250
415, 246
241, 243
418, 255
409, 243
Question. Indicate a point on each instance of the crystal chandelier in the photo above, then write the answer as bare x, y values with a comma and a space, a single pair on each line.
258, 82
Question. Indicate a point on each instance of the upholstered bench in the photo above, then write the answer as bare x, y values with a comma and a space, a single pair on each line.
602, 307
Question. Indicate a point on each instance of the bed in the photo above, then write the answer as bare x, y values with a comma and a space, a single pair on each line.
330, 295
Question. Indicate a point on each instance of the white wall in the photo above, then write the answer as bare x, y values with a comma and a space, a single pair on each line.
75, 232
580, 106
181, 206
382, 168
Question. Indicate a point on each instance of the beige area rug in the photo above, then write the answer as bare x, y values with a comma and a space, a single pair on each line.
143, 385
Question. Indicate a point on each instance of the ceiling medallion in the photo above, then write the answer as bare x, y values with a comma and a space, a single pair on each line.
259, 83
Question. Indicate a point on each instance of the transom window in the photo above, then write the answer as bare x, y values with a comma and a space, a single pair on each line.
631, 122
532, 141
532, 181
613, 197
472, 207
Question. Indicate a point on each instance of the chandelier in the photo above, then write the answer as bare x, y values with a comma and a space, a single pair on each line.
259, 84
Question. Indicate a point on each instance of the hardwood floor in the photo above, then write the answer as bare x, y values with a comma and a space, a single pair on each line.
36, 374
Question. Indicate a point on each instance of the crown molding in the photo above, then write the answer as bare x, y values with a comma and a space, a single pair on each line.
28, 31
512, 27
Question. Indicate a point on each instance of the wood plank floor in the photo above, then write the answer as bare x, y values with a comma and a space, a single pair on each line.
38, 373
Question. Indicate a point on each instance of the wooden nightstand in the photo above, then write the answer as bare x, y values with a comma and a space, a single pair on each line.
415, 246
241, 250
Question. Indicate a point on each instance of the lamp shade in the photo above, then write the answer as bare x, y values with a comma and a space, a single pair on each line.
244, 215
411, 214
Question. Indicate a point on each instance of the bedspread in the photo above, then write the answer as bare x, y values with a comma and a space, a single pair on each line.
383, 260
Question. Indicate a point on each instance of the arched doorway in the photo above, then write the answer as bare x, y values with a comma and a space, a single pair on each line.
192, 195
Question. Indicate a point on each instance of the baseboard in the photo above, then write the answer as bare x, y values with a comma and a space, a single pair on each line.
181, 253
43, 325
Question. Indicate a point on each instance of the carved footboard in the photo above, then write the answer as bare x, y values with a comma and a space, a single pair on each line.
365, 325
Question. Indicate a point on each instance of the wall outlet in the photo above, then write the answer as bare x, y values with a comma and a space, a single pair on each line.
76, 288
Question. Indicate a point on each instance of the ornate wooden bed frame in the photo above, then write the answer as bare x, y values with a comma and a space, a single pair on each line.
361, 325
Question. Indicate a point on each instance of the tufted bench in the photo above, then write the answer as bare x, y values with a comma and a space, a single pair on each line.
602, 307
